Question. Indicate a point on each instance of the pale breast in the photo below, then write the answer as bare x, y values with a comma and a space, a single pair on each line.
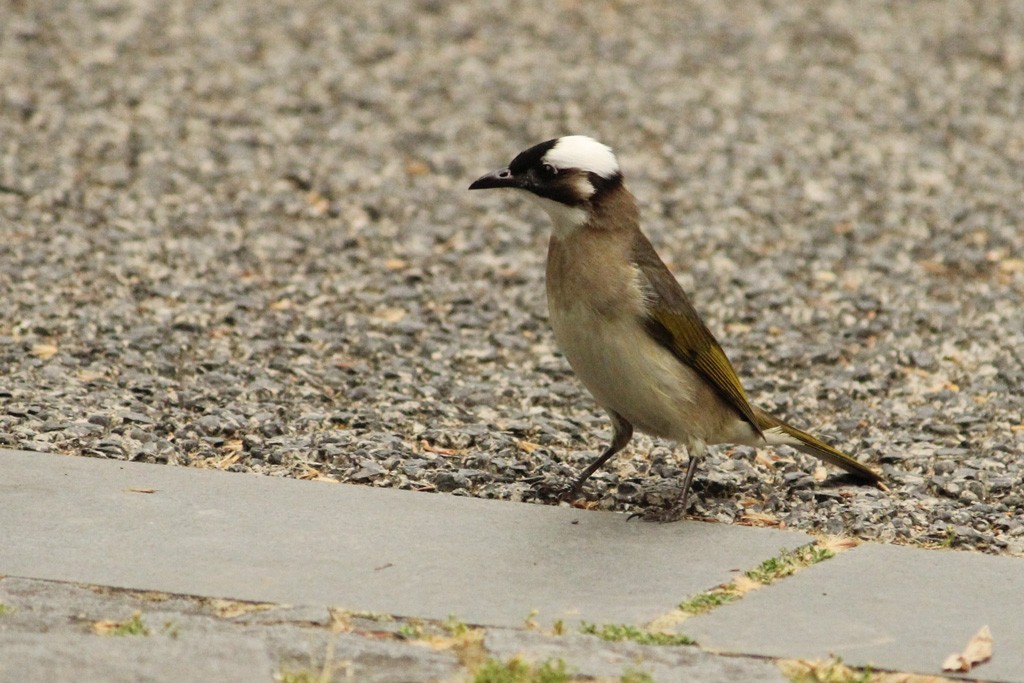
596, 307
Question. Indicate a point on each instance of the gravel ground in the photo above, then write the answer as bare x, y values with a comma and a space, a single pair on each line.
237, 235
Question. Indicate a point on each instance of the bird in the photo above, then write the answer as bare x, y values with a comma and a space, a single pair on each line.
626, 326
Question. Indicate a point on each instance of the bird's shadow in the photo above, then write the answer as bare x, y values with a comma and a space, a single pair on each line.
839, 480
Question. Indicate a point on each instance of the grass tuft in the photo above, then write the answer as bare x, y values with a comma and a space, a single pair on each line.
632, 675
516, 670
129, 627
787, 562
412, 630
617, 632
716, 597
302, 676
829, 671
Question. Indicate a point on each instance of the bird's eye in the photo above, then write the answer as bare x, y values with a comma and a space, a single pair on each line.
549, 170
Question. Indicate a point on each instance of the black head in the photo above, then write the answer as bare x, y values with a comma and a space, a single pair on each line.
569, 170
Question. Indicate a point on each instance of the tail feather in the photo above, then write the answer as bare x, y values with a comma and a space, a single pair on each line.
778, 432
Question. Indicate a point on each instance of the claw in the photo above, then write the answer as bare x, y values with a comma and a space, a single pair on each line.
660, 515
664, 515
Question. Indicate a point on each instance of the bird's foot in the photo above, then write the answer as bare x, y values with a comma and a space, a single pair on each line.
569, 494
662, 515
550, 490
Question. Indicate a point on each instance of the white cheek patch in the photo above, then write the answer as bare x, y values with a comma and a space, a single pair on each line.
565, 219
584, 153
583, 186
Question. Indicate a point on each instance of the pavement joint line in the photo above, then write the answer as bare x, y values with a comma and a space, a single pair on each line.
771, 570
661, 631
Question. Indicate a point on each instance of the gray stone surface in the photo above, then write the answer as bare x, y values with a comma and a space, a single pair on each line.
590, 656
50, 606
278, 637
357, 657
887, 606
281, 540
104, 659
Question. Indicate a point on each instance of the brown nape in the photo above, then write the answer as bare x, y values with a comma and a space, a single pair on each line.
614, 207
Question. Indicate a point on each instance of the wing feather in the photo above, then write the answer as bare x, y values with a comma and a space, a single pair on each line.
674, 323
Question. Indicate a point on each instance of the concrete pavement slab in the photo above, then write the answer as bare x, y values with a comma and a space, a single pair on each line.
294, 640
247, 537
101, 659
595, 658
353, 657
890, 607
48, 606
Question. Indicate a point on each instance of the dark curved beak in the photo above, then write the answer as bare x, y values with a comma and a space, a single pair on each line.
500, 178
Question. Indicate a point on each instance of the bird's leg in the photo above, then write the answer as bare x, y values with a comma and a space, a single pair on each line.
622, 432
678, 511
691, 467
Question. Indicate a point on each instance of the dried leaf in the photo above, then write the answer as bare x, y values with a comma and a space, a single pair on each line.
230, 609
665, 623
1012, 265
737, 329
837, 544
105, 626
978, 650
227, 461
129, 627
44, 351
313, 474
343, 362
233, 446
390, 314
430, 448
281, 305
468, 646
761, 519
319, 203
835, 670
89, 376
415, 167
911, 678
745, 584
341, 620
